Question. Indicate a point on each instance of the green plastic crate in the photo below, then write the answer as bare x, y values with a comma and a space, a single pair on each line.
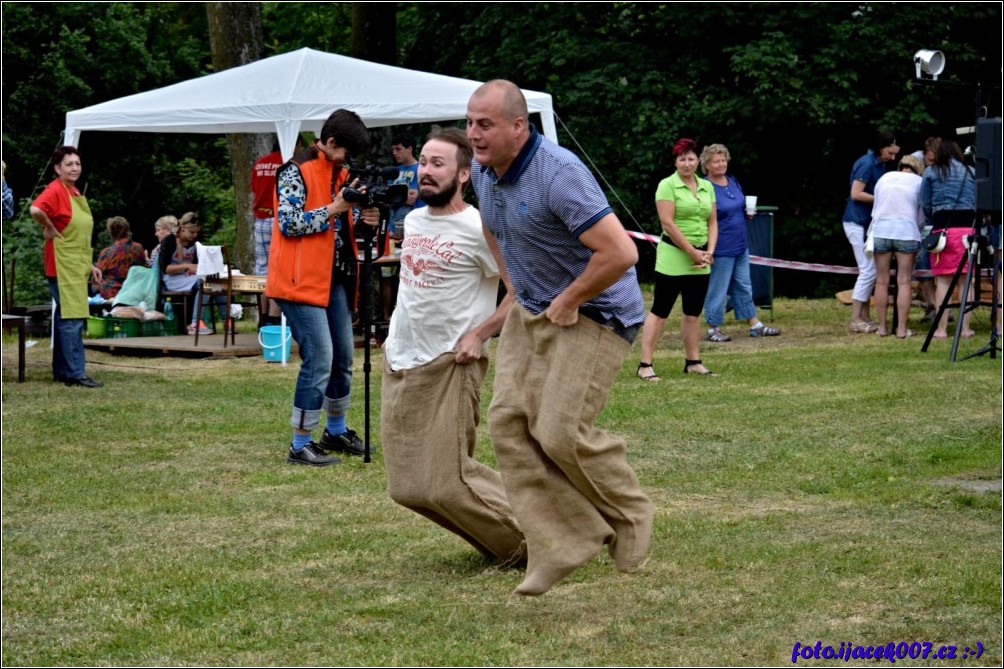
117, 328
120, 328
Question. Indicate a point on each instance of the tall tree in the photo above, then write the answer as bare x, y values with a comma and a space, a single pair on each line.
796, 91
51, 52
374, 38
374, 32
235, 38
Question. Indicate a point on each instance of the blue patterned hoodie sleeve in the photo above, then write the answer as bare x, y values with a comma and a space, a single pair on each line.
293, 220
8, 201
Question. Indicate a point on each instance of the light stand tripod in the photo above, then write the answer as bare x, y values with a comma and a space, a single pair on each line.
979, 253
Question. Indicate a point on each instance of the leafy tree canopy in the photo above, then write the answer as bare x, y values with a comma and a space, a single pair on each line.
795, 90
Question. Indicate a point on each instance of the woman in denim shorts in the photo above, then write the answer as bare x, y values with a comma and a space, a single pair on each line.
896, 222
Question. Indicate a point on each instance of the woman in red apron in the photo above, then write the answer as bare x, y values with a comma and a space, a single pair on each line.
66, 225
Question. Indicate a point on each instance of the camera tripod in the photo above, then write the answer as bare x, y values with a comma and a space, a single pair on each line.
981, 252
368, 234
369, 190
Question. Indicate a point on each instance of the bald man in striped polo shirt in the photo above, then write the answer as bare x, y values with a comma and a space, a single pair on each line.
577, 311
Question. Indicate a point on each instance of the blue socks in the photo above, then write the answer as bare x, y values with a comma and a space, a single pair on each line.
300, 440
336, 425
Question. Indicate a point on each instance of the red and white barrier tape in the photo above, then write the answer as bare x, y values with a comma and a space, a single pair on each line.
791, 264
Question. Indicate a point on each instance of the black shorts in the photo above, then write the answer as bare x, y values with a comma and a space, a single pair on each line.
693, 287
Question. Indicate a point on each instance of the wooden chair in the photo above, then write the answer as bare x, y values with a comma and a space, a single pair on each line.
218, 284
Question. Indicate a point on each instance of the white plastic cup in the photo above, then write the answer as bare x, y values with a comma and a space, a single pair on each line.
751, 204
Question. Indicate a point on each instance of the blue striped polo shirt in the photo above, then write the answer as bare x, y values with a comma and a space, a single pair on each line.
537, 210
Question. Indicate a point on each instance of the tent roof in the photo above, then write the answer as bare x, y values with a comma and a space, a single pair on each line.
288, 93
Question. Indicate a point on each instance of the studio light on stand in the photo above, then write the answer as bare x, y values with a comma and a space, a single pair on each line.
928, 62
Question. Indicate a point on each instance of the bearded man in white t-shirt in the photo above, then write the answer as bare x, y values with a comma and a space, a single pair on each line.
435, 359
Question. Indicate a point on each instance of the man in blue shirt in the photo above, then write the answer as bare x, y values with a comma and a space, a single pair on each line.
403, 149
578, 308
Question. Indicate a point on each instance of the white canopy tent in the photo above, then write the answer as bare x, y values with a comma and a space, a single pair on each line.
291, 92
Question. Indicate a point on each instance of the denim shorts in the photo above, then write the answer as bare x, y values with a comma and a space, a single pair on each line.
883, 245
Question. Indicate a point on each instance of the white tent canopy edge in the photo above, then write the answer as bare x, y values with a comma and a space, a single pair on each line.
289, 93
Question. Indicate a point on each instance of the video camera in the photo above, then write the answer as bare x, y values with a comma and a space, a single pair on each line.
378, 193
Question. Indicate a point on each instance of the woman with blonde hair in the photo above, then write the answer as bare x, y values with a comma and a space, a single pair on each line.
896, 222
162, 228
730, 273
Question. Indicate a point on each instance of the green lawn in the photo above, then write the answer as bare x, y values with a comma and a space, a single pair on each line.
825, 487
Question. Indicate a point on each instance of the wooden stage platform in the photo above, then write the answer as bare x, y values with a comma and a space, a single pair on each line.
210, 346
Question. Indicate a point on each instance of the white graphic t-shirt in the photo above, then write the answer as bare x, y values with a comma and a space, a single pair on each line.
448, 286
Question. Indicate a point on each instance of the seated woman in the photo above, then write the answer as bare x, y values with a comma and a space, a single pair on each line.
179, 264
165, 226
114, 261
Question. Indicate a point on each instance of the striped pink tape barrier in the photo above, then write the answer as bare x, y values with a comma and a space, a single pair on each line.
790, 264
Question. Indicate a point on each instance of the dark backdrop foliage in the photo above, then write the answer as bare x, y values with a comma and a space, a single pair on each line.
795, 90
64, 56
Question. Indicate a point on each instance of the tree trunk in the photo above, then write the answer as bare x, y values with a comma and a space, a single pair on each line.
235, 38
374, 32
374, 38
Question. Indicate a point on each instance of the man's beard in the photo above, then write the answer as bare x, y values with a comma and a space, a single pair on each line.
443, 197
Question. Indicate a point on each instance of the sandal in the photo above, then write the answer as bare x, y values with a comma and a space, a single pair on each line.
909, 333
762, 330
862, 326
716, 335
651, 377
691, 363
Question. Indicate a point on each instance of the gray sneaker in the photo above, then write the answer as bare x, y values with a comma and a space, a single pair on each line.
311, 454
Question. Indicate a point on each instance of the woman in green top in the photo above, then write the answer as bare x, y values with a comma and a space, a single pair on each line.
686, 207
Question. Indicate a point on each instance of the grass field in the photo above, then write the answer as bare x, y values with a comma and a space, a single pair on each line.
825, 487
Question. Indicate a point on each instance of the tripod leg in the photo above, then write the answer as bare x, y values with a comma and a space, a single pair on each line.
995, 308
994, 274
961, 319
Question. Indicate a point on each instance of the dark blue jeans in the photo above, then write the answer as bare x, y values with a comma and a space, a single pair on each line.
324, 337
67, 341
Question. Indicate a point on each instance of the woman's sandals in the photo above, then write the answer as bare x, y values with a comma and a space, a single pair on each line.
647, 377
693, 363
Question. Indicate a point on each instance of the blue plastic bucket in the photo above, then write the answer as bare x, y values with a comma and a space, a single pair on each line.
273, 339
